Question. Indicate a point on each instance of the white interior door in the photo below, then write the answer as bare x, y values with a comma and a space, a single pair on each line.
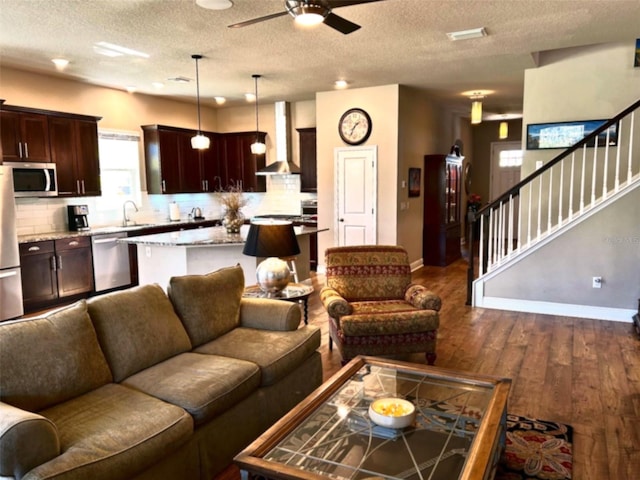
356, 195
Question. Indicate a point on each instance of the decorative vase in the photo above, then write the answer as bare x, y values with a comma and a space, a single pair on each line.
233, 220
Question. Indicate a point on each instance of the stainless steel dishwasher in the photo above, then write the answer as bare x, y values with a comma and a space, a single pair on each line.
110, 261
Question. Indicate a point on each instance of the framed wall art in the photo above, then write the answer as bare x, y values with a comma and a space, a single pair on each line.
414, 182
566, 134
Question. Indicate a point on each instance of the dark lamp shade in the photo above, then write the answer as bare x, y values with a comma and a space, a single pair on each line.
271, 239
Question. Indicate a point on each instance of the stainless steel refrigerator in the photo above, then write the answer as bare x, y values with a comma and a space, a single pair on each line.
10, 279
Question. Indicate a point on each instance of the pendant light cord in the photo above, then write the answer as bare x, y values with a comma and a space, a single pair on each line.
256, 77
196, 58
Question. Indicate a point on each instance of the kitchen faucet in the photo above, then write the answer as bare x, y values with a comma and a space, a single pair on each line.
125, 220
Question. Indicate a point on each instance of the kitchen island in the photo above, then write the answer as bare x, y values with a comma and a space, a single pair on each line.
196, 252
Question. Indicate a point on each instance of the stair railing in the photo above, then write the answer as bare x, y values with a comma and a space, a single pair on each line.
555, 194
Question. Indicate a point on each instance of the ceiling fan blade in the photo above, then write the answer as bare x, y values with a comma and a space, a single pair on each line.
341, 24
258, 20
346, 3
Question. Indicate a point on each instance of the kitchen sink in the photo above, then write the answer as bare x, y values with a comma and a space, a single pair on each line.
120, 228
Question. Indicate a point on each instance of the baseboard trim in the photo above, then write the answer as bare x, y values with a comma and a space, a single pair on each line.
562, 309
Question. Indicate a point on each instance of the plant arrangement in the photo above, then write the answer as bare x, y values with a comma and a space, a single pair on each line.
232, 199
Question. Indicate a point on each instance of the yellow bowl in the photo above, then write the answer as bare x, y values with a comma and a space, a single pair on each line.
392, 412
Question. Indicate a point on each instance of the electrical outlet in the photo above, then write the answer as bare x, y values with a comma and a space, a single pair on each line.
596, 282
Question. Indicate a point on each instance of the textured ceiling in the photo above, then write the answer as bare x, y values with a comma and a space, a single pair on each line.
401, 41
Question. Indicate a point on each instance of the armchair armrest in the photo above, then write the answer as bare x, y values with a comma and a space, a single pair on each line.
269, 314
26, 441
420, 297
334, 303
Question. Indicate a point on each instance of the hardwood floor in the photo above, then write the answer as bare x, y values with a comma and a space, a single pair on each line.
578, 371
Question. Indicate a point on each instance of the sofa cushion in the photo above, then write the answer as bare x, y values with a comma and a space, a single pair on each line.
204, 385
276, 353
208, 305
137, 328
113, 432
387, 317
44, 361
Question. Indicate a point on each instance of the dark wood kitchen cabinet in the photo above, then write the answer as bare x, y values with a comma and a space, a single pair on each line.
24, 136
441, 223
173, 166
308, 161
74, 150
239, 165
54, 271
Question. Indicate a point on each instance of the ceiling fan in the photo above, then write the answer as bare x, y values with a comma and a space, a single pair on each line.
311, 12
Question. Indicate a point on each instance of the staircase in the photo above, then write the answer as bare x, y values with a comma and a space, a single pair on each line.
577, 184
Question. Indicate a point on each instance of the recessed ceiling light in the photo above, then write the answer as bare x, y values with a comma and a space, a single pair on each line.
60, 63
341, 84
158, 84
220, 100
250, 97
467, 34
113, 50
215, 4
131, 89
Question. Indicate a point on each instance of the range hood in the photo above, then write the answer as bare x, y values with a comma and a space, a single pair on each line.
283, 164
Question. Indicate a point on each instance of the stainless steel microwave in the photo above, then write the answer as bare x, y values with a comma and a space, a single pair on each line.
34, 179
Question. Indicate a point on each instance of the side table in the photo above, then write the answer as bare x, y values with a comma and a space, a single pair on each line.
294, 292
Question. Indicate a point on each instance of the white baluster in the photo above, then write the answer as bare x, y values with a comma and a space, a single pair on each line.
539, 207
630, 148
619, 149
571, 181
561, 192
510, 234
519, 219
595, 172
606, 166
550, 200
529, 215
584, 166
481, 251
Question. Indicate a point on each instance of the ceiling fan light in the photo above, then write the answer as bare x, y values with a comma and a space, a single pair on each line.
307, 12
200, 142
309, 19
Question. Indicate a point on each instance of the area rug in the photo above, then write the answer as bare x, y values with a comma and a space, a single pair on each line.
536, 449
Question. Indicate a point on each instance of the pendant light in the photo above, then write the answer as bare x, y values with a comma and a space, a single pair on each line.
476, 109
200, 141
257, 148
503, 131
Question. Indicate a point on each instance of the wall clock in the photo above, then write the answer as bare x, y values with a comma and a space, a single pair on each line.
354, 126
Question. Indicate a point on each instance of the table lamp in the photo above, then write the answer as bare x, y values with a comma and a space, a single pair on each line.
274, 240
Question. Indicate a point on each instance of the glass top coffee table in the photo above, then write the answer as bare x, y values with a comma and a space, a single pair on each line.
458, 431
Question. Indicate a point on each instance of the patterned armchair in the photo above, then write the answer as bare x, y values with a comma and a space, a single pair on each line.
373, 307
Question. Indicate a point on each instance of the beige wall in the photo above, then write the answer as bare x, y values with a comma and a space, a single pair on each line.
382, 105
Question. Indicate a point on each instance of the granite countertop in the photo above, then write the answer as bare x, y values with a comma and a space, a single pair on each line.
38, 237
204, 237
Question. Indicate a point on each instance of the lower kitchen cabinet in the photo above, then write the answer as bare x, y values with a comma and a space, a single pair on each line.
53, 270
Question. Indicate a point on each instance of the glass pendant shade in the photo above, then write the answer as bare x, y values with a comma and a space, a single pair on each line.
200, 142
503, 131
258, 148
476, 112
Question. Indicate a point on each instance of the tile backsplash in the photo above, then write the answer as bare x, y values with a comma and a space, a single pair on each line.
43, 215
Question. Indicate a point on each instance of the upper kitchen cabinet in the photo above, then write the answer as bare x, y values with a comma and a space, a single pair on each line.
308, 164
24, 136
173, 166
239, 165
74, 150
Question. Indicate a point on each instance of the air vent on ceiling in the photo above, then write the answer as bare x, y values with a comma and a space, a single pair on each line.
179, 79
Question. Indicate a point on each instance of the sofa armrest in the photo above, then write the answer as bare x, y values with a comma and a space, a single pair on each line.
334, 303
26, 441
269, 314
420, 297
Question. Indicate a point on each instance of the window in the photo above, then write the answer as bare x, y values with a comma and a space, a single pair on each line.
119, 167
510, 158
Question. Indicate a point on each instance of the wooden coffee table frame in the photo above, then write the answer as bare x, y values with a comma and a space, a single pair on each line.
483, 451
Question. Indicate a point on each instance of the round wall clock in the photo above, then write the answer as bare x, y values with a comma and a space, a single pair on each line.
354, 126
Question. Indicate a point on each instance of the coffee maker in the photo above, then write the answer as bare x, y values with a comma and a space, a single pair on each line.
78, 220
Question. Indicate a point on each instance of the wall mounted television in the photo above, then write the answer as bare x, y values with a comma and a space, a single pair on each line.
566, 134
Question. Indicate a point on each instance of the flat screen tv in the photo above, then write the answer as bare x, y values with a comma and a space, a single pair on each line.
566, 134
